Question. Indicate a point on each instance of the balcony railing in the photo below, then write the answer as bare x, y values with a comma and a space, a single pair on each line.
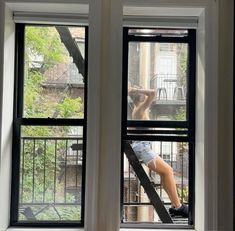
169, 87
51, 178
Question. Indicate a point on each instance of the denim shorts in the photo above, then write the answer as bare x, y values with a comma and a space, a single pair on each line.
143, 151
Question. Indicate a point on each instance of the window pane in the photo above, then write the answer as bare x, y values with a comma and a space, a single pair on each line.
54, 72
51, 173
136, 204
162, 68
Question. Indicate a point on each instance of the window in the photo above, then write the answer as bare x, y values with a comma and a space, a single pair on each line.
162, 63
49, 149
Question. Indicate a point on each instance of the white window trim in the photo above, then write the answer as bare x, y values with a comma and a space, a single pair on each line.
102, 201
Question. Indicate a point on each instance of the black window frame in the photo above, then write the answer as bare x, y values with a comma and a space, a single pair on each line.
162, 135
19, 120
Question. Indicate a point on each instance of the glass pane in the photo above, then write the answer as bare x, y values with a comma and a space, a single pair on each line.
136, 204
51, 173
157, 81
54, 72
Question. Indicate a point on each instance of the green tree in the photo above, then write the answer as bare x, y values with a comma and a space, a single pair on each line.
180, 114
69, 107
43, 43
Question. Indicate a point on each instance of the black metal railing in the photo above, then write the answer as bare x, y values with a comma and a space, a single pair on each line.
169, 87
51, 174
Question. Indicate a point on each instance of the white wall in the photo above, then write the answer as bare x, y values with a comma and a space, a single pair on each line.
225, 115
6, 80
110, 120
2, 16
200, 121
211, 116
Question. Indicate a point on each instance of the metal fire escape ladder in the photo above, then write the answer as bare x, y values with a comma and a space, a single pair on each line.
75, 53
147, 185
72, 48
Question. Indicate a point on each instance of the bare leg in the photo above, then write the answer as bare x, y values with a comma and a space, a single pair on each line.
167, 177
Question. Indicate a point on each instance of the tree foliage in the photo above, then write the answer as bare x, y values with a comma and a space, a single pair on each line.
68, 107
43, 43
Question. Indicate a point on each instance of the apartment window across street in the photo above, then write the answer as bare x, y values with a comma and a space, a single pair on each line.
158, 124
49, 126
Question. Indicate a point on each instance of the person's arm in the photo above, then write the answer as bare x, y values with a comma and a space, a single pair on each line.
150, 95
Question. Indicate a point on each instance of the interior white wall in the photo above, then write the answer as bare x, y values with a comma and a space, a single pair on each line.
200, 124
7, 80
2, 21
225, 115
93, 123
211, 116
110, 123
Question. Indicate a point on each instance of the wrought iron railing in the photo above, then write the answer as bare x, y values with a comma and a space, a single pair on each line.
51, 175
169, 87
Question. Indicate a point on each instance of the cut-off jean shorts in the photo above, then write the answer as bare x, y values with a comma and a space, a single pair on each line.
143, 151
